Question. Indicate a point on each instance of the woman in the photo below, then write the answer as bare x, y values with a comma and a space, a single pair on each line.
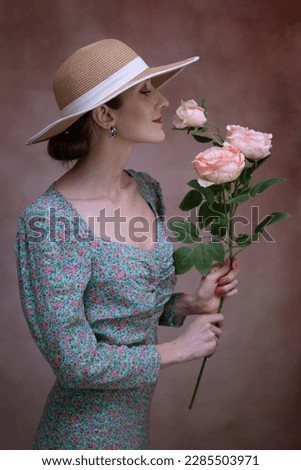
94, 283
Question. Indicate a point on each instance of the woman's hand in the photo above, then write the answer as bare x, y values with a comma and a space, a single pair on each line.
199, 340
201, 337
219, 282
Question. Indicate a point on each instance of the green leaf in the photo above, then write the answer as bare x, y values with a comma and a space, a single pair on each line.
200, 138
245, 177
243, 240
270, 219
255, 237
208, 214
199, 129
194, 184
244, 190
202, 258
216, 189
258, 163
217, 251
218, 139
192, 199
216, 144
238, 199
220, 208
183, 259
219, 227
203, 215
263, 185
227, 186
184, 231
208, 194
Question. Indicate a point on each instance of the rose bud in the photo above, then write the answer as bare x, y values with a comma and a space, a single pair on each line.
189, 114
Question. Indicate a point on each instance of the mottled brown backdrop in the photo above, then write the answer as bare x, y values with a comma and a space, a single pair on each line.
250, 394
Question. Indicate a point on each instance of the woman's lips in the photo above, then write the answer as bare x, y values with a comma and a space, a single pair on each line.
159, 120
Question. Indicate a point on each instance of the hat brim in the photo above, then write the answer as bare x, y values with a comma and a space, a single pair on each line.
159, 75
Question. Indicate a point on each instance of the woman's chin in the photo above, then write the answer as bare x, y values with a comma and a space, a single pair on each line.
160, 137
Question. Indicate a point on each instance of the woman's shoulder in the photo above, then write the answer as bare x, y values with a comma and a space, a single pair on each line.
49, 221
42, 205
44, 215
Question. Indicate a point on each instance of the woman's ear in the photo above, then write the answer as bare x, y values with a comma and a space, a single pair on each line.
103, 116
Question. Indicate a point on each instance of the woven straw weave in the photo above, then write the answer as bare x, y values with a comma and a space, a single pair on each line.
89, 66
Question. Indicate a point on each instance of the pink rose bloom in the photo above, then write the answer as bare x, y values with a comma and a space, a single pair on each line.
254, 145
218, 165
189, 114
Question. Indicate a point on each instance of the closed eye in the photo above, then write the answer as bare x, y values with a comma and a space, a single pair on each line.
145, 90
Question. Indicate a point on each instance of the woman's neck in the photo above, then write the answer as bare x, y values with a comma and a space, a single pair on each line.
99, 174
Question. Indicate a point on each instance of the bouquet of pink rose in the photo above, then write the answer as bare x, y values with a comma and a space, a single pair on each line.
224, 182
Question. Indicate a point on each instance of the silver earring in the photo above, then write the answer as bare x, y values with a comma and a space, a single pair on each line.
112, 132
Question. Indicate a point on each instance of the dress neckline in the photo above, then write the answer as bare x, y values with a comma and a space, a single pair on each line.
132, 174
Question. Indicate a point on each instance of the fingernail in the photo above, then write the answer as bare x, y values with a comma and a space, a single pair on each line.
227, 262
218, 291
235, 265
222, 281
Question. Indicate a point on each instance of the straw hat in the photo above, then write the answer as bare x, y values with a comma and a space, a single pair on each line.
94, 74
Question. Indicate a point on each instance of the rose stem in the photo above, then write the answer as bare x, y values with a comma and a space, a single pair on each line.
230, 238
203, 365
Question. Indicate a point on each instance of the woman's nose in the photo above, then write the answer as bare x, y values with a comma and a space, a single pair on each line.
162, 101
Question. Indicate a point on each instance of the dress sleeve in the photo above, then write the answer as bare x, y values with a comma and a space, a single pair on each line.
168, 317
52, 278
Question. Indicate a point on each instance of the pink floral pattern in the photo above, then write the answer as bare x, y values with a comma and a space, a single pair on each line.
93, 308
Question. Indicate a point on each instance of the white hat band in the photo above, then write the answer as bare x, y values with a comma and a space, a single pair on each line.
104, 89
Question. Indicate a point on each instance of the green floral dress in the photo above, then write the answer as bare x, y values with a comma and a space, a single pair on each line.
93, 307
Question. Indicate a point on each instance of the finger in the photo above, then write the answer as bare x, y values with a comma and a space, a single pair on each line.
217, 331
217, 271
212, 318
231, 293
226, 288
219, 324
229, 277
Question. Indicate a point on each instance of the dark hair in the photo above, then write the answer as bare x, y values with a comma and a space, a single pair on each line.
74, 142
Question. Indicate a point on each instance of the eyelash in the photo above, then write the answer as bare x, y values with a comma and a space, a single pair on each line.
146, 92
